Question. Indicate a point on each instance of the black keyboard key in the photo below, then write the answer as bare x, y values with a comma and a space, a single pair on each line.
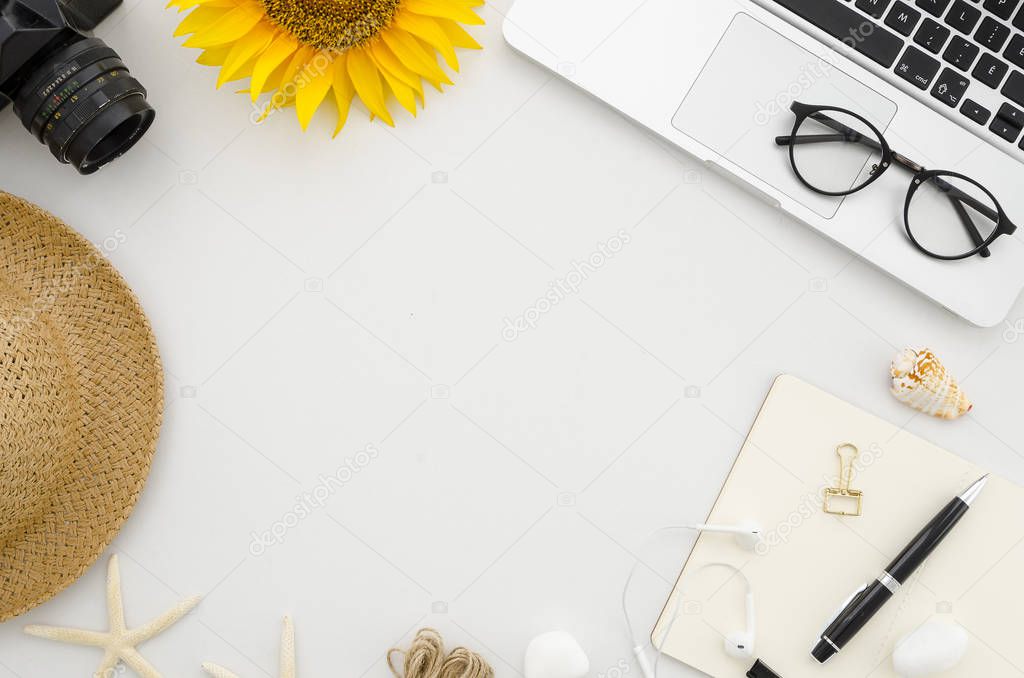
902, 18
1019, 21
1002, 8
933, 7
961, 53
976, 112
992, 34
950, 87
917, 68
1006, 130
1014, 88
875, 8
932, 36
1015, 52
963, 17
990, 70
1011, 115
841, 22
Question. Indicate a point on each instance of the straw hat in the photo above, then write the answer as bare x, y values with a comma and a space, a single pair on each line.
81, 399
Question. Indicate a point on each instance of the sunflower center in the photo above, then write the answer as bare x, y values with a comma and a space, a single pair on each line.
332, 24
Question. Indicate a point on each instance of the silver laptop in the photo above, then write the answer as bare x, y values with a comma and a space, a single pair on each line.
883, 90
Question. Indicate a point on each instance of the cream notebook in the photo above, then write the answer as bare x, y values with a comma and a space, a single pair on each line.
811, 561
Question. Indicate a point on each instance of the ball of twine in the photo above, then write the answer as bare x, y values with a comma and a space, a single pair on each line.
426, 658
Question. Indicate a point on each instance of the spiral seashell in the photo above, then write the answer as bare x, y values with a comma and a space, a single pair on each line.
920, 380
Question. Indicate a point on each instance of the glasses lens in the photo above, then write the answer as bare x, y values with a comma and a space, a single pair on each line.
835, 152
951, 217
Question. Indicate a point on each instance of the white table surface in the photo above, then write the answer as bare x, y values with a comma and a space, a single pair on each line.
312, 298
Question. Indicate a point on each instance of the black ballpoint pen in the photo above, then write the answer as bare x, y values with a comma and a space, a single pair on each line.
869, 599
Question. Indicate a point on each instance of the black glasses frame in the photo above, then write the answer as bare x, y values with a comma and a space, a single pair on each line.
889, 158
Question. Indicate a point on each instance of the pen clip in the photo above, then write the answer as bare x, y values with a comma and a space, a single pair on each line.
845, 603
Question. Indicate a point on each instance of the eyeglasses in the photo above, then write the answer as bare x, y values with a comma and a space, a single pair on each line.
947, 215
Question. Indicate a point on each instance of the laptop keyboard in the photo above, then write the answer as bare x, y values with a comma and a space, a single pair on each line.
951, 50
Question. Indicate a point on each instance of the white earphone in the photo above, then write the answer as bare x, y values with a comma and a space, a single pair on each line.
740, 644
748, 535
737, 644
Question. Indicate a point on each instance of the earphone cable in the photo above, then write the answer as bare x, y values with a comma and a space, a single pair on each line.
639, 648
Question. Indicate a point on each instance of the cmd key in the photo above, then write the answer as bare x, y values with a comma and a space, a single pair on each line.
917, 68
847, 25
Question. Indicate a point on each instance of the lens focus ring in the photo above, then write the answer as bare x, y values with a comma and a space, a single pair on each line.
84, 105
53, 75
73, 89
102, 93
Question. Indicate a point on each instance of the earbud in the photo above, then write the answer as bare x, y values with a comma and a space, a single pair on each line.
748, 535
740, 644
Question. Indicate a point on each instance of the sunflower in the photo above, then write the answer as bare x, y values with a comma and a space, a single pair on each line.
300, 51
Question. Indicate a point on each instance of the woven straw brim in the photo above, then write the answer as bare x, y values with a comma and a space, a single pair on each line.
111, 373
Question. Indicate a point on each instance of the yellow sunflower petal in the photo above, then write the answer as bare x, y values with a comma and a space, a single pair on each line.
215, 56
440, 8
184, 5
231, 26
311, 93
366, 80
427, 48
343, 90
276, 77
272, 57
458, 35
254, 42
387, 60
290, 72
197, 19
406, 95
409, 52
426, 29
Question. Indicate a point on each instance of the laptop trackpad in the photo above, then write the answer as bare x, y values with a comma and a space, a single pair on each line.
740, 103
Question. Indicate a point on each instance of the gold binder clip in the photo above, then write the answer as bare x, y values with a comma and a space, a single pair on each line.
850, 502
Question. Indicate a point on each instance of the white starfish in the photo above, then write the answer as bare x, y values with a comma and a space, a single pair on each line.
287, 655
119, 642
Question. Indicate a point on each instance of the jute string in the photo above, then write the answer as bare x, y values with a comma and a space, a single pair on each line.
426, 658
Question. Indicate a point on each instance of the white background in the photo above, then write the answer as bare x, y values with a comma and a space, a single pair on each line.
313, 297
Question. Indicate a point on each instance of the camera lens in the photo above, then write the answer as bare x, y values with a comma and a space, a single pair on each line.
84, 105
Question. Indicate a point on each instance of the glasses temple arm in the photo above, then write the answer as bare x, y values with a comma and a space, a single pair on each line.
849, 133
959, 195
969, 226
809, 139
845, 134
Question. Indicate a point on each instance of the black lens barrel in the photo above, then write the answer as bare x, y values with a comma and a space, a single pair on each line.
84, 105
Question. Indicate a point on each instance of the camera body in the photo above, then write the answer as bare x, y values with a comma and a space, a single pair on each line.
71, 91
29, 28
